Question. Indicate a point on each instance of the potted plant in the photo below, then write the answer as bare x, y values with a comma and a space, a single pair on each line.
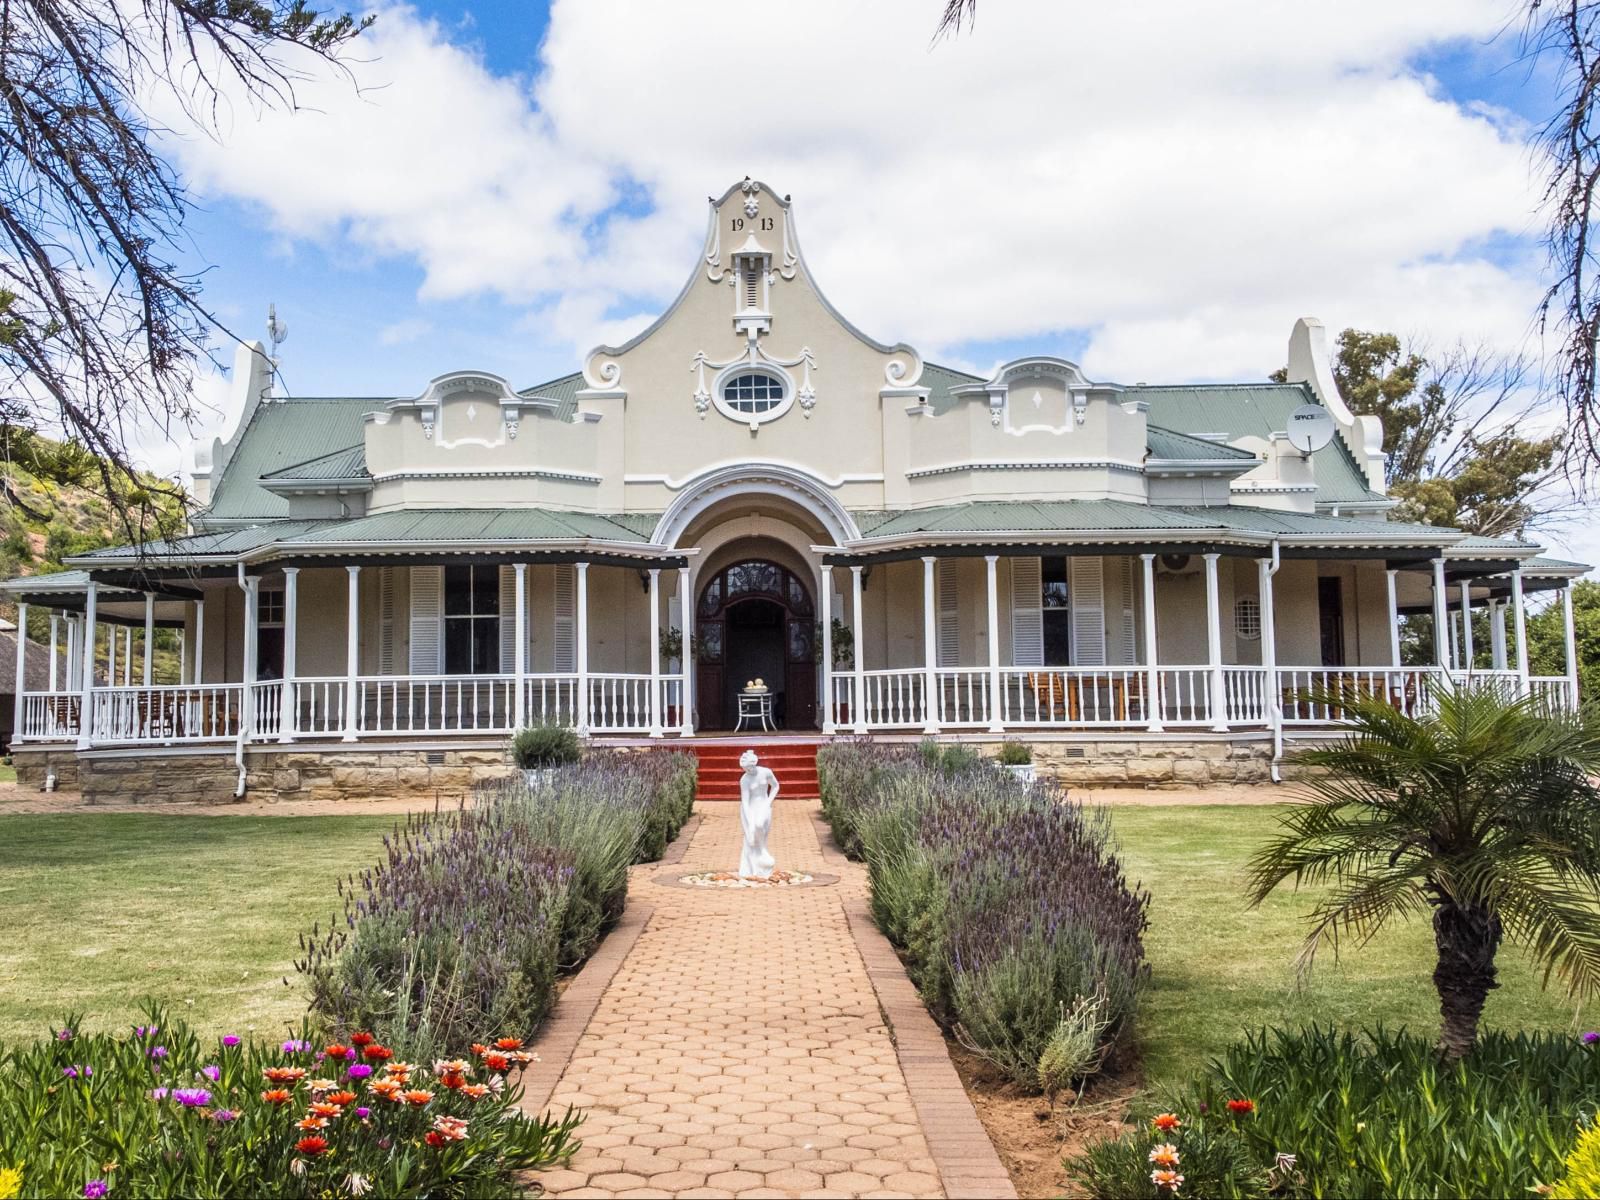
540, 749
844, 655
1017, 758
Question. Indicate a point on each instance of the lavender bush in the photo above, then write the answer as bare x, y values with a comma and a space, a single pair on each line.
1007, 900
465, 924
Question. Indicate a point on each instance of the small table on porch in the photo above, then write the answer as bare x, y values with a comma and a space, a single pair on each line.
755, 706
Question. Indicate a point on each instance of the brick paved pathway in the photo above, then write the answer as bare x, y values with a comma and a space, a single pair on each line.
739, 1049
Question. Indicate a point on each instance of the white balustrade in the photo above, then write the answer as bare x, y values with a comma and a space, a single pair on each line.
893, 699
1550, 693
50, 716
413, 704
1069, 697
844, 701
1185, 695
962, 698
266, 709
619, 702
1321, 695
1246, 690
163, 714
552, 699
319, 707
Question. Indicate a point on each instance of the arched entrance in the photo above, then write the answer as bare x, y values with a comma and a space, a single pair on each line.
755, 619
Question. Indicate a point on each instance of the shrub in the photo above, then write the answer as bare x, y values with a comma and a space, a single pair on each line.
1015, 754
540, 746
1379, 1114
1006, 900
159, 1112
1580, 1179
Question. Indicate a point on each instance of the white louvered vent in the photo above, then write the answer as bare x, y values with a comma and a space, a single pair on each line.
1127, 635
945, 595
565, 607
751, 279
1027, 613
1086, 581
386, 585
427, 620
508, 619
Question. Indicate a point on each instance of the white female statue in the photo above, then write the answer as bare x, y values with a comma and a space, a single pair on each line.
758, 788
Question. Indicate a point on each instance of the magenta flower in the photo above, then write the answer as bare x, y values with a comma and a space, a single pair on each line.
64, 1035
212, 1072
192, 1097
95, 1189
224, 1115
293, 1046
158, 1052
76, 1071
229, 1039
145, 1031
363, 1113
1591, 1038
158, 1093
359, 1071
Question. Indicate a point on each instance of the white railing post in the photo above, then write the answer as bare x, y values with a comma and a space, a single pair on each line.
1391, 576
827, 649
20, 695
582, 572
149, 635
1467, 654
111, 655
1219, 685
91, 597
655, 652
1154, 702
55, 634
200, 640
860, 715
519, 656
1519, 617
1441, 620
352, 653
686, 659
1497, 634
1570, 645
992, 591
127, 657
930, 650
291, 626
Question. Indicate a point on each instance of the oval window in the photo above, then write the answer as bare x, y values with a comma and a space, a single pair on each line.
752, 393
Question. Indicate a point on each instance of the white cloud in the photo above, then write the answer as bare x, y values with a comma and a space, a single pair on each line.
402, 332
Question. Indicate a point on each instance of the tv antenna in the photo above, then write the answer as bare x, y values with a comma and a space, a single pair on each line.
277, 331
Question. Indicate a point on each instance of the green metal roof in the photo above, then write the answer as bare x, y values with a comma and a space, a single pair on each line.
564, 391
1253, 410
483, 525
349, 463
939, 381
1169, 444
1475, 542
278, 436
223, 543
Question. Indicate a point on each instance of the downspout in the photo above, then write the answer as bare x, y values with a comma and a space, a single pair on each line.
1275, 696
244, 703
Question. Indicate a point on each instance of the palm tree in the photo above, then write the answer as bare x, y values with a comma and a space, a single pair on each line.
1484, 814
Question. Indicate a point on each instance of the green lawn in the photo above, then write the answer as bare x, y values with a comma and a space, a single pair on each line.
1221, 967
102, 910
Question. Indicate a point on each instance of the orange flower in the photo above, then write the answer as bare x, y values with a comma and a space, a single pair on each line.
474, 1091
523, 1057
452, 1129
1240, 1107
312, 1146
322, 1085
434, 1139
508, 1044
1166, 1122
387, 1088
451, 1080
277, 1096
496, 1062
451, 1066
1169, 1181
326, 1110
312, 1123
478, 1048
342, 1098
417, 1098
1165, 1155
362, 1039
375, 1052
284, 1074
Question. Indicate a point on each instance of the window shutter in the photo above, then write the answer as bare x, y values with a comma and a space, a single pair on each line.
949, 635
566, 620
1027, 613
386, 621
1127, 642
427, 620
508, 619
1086, 582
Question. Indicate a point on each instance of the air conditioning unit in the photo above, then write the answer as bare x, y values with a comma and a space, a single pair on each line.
1177, 564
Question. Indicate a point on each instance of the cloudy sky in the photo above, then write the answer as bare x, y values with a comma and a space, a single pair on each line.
1156, 190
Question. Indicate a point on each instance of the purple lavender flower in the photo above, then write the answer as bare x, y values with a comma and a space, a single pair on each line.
192, 1097
78, 1071
145, 1031
224, 1115
158, 1052
212, 1072
95, 1189
359, 1071
229, 1039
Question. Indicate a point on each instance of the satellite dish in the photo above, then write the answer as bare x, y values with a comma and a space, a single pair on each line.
277, 331
1310, 428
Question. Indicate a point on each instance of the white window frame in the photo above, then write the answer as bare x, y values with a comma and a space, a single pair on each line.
1247, 618
746, 367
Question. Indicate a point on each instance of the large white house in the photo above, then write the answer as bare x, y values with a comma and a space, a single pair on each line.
889, 544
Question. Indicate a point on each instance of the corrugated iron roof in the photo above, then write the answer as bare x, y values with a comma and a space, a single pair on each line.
278, 436
450, 525
349, 463
1170, 444
564, 391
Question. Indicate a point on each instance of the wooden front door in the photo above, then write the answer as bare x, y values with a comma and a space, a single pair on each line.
756, 618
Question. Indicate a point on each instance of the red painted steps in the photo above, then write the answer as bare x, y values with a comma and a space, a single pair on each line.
794, 762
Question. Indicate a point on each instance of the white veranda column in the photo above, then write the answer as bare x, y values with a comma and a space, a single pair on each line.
1152, 670
1273, 694
827, 648
1219, 685
582, 573
1466, 625
1519, 618
111, 655
860, 699
686, 659
992, 609
1570, 643
930, 651
352, 653
519, 657
127, 657
19, 696
149, 635
1391, 577
1441, 619
55, 634
200, 640
655, 652
252, 655
1497, 634
91, 598
183, 657
291, 627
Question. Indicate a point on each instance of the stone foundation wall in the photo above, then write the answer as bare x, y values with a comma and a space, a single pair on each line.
295, 773
156, 778
1153, 763
34, 765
